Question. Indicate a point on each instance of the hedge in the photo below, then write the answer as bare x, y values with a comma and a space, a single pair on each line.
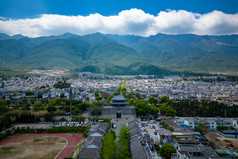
52, 130
2, 136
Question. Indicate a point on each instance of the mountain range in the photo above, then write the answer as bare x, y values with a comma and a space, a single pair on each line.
121, 54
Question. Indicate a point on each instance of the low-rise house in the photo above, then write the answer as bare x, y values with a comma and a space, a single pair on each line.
138, 144
210, 123
92, 148
161, 133
137, 149
194, 151
229, 133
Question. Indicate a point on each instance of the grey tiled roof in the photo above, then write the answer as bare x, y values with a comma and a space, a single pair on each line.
164, 132
89, 154
207, 152
93, 141
119, 97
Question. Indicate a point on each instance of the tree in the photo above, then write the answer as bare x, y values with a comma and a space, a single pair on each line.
170, 111
165, 125
37, 105
118, 92
123, 144
55, 101
24, 101
141, 107
61, 85
129, 96
82, 118
114, 133
51, 108
164, 99
105, 95
109, 98
131, 101
3, 107
137, 95
109, 146
202, 128
83, 106
29, 93
95, 110
76, 111
166, 150
61, 95
163, 108
219, 128
153, 109
171, 128
153, 100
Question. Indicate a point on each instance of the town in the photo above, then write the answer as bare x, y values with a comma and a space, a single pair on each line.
135, 116
83, 88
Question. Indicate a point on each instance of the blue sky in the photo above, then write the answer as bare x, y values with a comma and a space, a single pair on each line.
33, 8
136, 17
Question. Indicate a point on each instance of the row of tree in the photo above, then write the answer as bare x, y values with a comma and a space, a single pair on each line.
120, 149
204, 108
191, 108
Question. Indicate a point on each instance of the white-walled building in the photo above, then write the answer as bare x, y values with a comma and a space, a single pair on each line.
210, 122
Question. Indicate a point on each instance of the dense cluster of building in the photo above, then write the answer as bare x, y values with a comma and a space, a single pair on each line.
139, 141
178, 89
92, 147
83, 88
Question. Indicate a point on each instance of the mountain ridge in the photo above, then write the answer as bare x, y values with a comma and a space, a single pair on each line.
121, 54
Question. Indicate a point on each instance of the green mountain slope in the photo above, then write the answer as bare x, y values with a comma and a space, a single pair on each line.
187, 52
115, 54
94, 53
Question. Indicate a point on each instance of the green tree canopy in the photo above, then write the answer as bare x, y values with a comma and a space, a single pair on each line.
163, 108
61, 85
3, 107
109, 146
131, 101
137, 95
123, 144
202, 128
153, 100
166, 150
164, 99
128, 96
153, 109
95, 110
109, 98
171, 128
105, 95
170, 111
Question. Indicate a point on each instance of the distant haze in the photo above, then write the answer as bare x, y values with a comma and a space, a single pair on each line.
132, 22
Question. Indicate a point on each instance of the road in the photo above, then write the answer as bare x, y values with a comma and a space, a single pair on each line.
119, 124
151, 132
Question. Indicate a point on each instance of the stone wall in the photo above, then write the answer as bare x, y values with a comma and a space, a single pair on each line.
110, 111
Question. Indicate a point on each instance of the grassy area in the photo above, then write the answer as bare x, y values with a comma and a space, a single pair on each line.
5, 150
36, 151
37, 140
52, 139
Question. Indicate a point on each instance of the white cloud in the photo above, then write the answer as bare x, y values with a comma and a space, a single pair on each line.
133, 21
